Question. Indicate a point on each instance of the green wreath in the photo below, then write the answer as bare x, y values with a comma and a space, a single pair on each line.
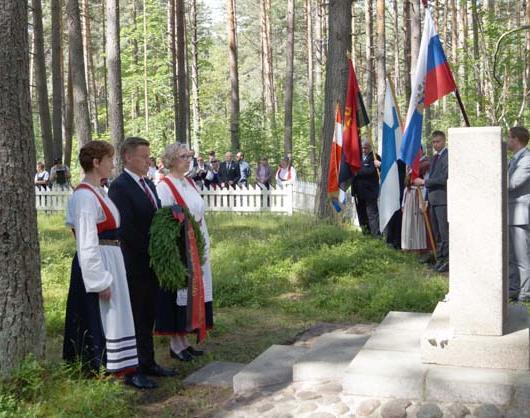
167, 250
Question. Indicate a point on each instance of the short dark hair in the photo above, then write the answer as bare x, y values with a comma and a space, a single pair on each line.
438, 133
131, 143
211, 153
94, 150
521, 133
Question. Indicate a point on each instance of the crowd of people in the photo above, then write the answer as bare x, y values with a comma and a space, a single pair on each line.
59, 176
212, 173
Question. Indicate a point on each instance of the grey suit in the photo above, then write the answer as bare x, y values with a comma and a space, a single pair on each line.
519, 224
436, 186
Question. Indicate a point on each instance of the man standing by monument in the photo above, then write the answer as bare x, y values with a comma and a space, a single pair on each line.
519, 214
436, 185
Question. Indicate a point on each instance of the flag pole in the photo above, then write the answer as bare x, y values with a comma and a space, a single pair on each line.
462, 108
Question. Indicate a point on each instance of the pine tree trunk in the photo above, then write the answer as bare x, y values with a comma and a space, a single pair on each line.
57, 78
113, 62
68, 117
81, 115
397, 75
289, 53
105, 87
319, 73
146, 98
135, 106
476, 58
415, 40
380, 63
268, 73
195, 105
311, 88
369, 87
41, 85
21, 309
183, 105
339, 43
91, 79
234, 75
407, 34
173, 57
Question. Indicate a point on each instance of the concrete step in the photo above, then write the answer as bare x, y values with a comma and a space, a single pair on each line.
328, 357
272, 367
216, 373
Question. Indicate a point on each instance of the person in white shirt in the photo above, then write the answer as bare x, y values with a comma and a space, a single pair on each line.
286, 174
41, 177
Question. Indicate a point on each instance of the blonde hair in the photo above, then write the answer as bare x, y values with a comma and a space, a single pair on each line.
170, 154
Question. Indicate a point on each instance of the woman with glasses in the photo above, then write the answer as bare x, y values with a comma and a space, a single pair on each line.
171, 319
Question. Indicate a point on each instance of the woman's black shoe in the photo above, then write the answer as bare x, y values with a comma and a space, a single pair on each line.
194, 352
182, 356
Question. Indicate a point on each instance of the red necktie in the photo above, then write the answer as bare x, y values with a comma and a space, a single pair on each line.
149, 195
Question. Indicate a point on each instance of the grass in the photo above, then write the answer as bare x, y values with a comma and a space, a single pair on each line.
274, 276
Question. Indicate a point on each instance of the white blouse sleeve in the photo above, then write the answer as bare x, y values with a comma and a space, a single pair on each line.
164, 194
95, 277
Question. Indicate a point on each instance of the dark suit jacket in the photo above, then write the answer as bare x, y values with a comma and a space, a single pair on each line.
136, 213
436, 184
226, 175
365, 184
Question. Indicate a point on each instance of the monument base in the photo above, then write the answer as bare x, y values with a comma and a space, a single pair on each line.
390, 366
439, 344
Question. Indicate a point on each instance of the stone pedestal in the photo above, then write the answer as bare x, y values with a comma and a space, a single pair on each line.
475, 328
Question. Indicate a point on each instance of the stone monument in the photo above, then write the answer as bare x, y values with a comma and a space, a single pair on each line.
475, 346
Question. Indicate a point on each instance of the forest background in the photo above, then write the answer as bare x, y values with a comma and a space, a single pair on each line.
250, 74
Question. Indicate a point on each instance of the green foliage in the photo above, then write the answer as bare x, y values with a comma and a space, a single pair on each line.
167, 249
333, 272
50, 389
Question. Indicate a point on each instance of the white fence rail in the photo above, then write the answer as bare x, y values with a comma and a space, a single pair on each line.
299, 197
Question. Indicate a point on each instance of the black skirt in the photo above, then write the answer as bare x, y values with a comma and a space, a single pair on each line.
171, 319
84, 338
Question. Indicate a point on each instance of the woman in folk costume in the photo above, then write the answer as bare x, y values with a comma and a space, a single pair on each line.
99, 327
286, 174
415, 223
174, 316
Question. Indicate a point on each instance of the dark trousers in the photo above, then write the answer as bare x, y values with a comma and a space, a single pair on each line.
143, 291
440, 229
368, 214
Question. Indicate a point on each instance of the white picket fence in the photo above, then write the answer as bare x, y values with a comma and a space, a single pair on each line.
299, 197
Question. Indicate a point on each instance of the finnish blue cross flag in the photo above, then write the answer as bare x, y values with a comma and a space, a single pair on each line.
389, 146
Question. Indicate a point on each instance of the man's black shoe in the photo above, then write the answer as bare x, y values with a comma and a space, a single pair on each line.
194, 352
157, 370
139, 381
182, 356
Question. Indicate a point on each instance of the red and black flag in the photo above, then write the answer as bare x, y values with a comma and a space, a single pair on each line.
355, 117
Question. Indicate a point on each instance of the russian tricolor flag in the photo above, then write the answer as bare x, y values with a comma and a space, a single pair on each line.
432, 81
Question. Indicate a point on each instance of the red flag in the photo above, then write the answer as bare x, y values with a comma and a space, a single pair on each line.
355, 117
336, 155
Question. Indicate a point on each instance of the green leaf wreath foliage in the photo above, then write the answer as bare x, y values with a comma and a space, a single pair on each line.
167, 249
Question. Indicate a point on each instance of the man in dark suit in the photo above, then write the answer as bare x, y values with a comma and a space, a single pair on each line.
135, 196
229, 173
365, 189
436, 185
